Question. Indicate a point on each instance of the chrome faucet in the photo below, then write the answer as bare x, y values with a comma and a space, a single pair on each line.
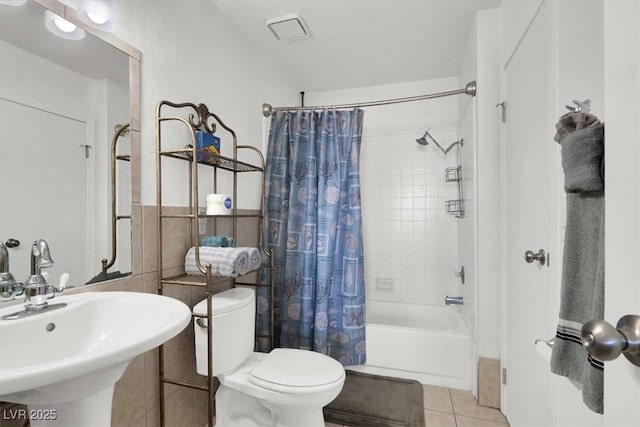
453, 300
9, 288
36, 289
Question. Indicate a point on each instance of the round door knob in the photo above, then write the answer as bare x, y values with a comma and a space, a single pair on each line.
605, 342
530, 256
602, 340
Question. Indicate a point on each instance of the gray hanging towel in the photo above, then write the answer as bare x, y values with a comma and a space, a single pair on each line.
582, 287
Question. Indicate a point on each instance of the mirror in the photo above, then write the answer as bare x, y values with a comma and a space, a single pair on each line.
61, 103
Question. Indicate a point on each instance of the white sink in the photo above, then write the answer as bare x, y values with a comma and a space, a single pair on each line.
64, 363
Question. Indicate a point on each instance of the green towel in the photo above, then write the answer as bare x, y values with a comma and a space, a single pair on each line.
582, 287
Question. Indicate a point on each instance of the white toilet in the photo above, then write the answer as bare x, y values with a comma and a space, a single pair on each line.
284, 388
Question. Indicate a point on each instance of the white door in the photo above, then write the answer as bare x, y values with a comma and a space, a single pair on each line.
43, 189
622, 199
534, 396
531, 167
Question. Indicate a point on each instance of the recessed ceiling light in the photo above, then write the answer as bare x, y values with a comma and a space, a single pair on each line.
61, 27
288, 28
64, 25
100, 14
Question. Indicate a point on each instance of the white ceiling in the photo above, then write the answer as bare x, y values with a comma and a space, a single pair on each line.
356, 43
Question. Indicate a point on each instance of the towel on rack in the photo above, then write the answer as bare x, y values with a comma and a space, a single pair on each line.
582, 287
582, 154
572, 122
255, 259
225, 262
217, 241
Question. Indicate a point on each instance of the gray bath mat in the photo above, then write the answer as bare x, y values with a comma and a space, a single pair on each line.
376, 401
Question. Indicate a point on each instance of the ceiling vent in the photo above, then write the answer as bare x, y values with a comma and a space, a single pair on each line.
288, 28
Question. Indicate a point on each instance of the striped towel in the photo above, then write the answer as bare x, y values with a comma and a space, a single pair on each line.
225, 262
582, 285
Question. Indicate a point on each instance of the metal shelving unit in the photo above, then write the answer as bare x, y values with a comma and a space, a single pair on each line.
455, 207
198, 117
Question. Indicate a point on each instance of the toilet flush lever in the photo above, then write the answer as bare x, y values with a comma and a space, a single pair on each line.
530, 256
604, 342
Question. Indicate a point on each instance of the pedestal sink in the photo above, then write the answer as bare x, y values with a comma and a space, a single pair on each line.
64, 363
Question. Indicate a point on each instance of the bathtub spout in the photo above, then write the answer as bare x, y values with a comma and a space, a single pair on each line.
453, 300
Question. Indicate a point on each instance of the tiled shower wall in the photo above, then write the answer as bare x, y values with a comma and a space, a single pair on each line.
411, 243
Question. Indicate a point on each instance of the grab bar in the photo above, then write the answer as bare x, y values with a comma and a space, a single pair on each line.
120, 130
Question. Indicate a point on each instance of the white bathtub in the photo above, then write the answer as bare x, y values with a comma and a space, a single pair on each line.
427, 343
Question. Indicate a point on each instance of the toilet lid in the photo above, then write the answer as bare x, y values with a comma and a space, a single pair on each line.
297, 368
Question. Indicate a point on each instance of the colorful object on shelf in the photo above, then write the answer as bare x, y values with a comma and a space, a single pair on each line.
208, 146
218, 241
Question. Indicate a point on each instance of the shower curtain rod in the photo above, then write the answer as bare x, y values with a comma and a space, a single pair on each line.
469, 89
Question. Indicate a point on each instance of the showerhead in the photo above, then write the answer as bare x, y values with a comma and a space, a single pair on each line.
423, 139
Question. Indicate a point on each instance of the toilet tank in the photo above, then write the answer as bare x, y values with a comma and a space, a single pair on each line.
232, 331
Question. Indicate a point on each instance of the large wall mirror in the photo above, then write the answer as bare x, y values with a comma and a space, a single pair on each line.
63, 103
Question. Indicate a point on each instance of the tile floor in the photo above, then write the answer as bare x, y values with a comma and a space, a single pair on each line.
444, 407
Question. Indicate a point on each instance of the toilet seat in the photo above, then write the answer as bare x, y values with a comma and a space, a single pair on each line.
244, 399
296, 371
284, 388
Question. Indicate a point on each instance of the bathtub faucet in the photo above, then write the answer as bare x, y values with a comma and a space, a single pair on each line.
453, 300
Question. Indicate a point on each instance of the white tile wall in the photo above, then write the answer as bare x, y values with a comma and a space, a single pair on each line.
408, 236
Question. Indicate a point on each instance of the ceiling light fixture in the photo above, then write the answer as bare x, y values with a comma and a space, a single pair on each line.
61, 27
100, 14
288, 28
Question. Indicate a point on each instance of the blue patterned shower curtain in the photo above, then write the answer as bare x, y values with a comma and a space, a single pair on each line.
315, 229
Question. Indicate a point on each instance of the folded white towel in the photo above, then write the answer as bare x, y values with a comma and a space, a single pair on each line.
255, 259
225, 262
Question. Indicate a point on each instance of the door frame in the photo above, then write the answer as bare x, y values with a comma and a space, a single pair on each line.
622, 202
558, 205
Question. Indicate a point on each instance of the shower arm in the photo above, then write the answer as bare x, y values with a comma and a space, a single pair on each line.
445, 151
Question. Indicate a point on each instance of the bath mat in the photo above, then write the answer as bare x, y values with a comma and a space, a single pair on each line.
376, 401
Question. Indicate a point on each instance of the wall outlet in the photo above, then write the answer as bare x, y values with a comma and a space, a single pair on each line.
384, 284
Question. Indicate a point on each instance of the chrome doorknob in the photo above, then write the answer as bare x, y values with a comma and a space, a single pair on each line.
530, 256
604, 342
